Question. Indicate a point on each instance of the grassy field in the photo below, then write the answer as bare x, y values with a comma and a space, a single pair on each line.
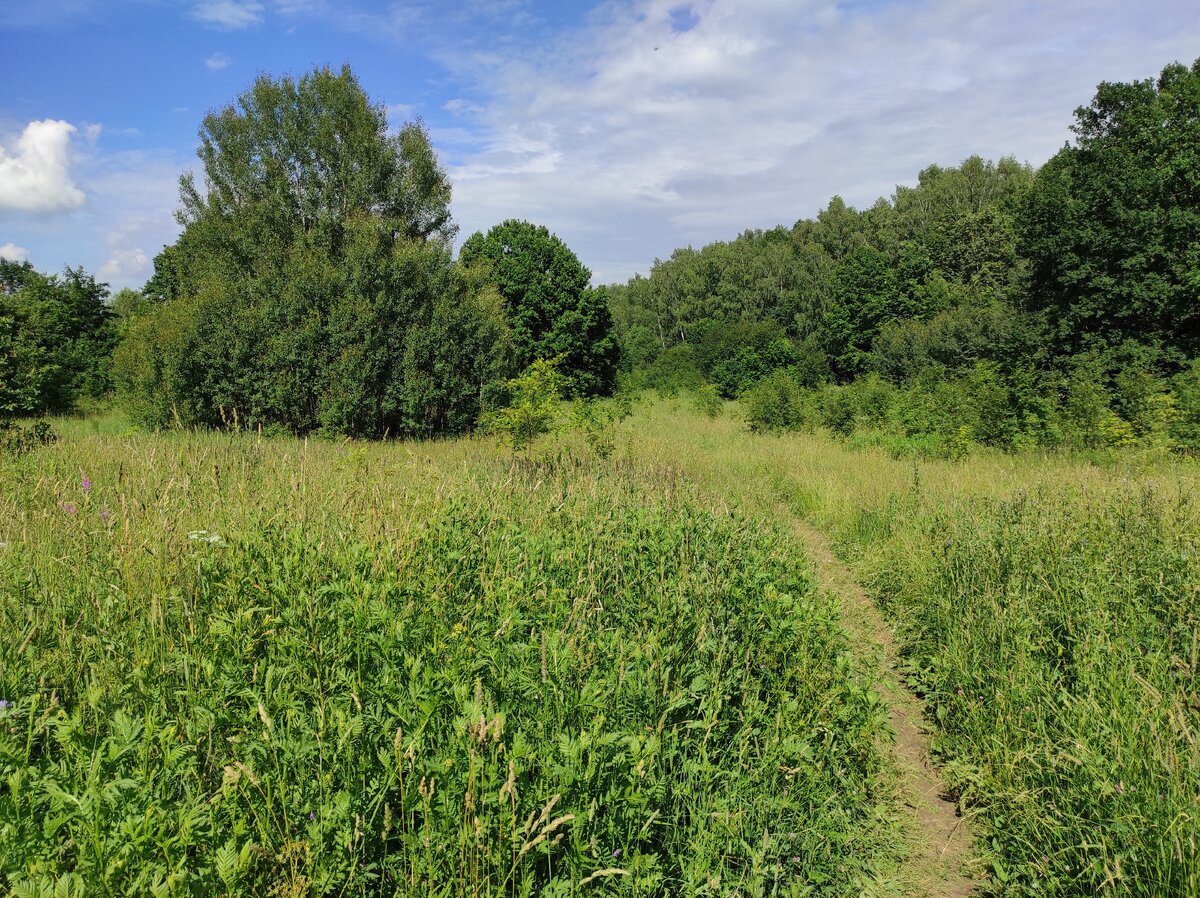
245, 666
1048, 608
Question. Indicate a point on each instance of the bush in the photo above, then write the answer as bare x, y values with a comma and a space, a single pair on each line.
708, 401
532, 408
777, 402
17, 439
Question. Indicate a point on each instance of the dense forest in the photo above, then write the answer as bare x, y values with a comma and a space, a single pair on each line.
313, 289
989, 304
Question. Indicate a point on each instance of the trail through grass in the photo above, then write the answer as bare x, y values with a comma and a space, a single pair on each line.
1046, 608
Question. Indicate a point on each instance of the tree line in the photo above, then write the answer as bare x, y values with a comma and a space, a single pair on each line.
313, 289
990, 303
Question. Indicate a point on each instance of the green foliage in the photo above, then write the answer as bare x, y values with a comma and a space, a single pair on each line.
312, 288
1185, 428
307, 156
56, 337
17, 439
777, 402
552, 311
1112, 228
596, 420
708, 401
533, 404
673, 370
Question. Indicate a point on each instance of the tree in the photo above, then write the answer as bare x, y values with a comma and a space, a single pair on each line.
532, 409
306, 156
551, 310
1112, 225
313, 287
56, 337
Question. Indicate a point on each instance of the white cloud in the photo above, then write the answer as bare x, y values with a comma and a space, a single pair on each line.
36, 177
459, 106
216, 62
13, 253
125, 265
232, 14
635, 135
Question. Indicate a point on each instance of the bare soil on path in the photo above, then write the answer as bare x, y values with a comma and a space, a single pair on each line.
940, 839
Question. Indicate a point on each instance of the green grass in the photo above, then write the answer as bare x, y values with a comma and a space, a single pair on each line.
435, 669
245, 666
1049, 611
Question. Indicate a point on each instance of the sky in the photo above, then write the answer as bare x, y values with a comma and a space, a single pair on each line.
627, 127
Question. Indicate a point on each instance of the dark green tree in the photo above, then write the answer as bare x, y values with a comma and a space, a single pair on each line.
313, 287
1112, 226
56, 338
552, 311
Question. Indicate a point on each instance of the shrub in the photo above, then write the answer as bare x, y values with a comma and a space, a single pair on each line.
777, 402
532, 409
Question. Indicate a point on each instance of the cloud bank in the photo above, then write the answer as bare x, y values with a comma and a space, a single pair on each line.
662, 123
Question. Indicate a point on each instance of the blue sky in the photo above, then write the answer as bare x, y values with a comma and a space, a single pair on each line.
628, 127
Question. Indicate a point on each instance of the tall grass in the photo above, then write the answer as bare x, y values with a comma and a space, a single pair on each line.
244, 666
1049, 613
1056, 638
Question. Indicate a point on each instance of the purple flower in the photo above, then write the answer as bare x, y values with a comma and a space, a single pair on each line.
312, 816
85, 484
5, 703
105, 514
69, 507
616, 852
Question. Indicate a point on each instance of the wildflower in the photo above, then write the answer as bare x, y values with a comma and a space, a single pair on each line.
85, 484
5, 703
3, 545
105, 514
69, 507
312, 815
616, 852
203, 536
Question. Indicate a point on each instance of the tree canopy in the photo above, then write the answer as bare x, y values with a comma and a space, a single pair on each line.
1112, 230
56, 339
551, 309
312, 287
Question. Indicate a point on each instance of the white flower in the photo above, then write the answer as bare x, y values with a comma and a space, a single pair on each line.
203, 536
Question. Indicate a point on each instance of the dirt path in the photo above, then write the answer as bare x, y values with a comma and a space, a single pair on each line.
940, 839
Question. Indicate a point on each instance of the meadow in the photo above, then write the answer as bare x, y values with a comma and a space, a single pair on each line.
1046, 608
237, 665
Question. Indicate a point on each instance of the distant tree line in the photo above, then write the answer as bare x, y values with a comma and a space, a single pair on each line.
988, 304
313, 289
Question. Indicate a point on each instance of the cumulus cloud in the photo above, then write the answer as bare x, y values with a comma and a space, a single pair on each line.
13, 253
662, 123
231, 14
35, 175
216, 62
